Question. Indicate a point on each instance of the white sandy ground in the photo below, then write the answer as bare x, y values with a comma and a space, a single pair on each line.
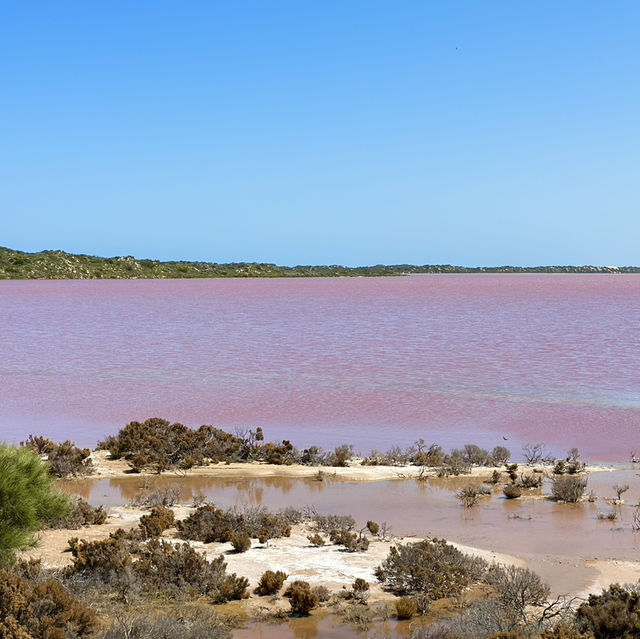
108, 468
336, 568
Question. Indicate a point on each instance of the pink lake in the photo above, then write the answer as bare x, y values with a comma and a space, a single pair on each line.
373, 362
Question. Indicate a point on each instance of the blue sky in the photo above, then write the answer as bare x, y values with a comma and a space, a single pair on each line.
477, 133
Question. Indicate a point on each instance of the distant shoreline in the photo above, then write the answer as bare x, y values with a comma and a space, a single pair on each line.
59, 265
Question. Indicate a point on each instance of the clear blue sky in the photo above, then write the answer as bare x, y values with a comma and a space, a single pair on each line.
477, 133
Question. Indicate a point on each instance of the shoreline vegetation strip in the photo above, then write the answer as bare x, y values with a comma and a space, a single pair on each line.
60, 265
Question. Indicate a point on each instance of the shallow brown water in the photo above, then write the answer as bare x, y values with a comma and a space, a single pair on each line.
522, 527
375, 362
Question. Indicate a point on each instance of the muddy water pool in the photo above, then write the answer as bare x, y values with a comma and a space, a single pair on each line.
535, 526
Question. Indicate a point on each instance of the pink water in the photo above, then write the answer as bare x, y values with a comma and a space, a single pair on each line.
375, 362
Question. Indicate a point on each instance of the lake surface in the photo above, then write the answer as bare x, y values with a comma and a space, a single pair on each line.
374, 362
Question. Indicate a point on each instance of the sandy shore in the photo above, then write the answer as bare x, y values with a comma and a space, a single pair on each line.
356, 471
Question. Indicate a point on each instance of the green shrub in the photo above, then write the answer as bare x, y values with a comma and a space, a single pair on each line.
433, 567
271, 582
28, 500
373, 527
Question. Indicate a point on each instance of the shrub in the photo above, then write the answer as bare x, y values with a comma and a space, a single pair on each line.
534, 453
105, 559
39, 445
469, 495
328, 523
176, 569
500, 455
209, 523
612, 515
432, 456
455, 464
67, 459
614, 613
568, 488
240, 542
475, 455
517, 587
406, 608
301, 598
204, 625
82, 514
619, 490
316, 540
373, 527
28, 500
166, 497
31, 610
340, 456
512, 491
157, 521
529, 481
271, 582
352, 541
432, 567
322, 593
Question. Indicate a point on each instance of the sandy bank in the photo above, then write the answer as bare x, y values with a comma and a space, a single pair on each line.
356, 471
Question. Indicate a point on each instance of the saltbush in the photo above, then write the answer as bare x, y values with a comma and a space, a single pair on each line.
157, 521
406, 608
433, 567
30, 610
301, 598
82, 514
568, 488
271, 582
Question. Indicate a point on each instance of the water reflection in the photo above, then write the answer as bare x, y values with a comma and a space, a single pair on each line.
524, 527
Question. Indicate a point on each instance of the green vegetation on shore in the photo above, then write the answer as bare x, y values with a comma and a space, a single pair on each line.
59, 265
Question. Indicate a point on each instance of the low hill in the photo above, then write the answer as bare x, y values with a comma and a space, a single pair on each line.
59, 265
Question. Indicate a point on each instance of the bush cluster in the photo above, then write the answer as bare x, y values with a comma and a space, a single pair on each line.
432, 567
64, 459
30, 610
568, 488
81, 514
156, 522
156, 566
271, 582
208, 524
156, 444
301, 598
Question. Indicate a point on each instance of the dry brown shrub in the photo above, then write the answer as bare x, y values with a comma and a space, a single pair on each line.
157, 521
271, 582
31, 610
406, 608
